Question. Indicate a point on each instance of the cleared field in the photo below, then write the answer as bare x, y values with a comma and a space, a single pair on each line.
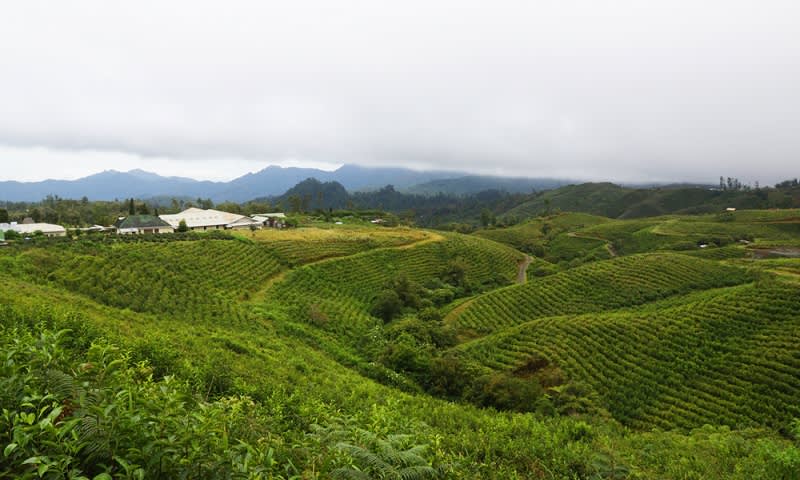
595, 287
728, 356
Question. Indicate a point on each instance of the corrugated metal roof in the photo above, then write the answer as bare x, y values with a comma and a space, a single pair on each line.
197, 218
33, 227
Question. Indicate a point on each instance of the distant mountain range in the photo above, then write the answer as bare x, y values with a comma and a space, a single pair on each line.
271, 181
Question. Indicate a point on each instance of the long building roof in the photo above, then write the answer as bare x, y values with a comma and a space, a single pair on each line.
197, 217
33, 227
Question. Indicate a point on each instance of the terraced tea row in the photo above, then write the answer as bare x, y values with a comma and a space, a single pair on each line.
728, 356
341, 291
198, 279
595, 287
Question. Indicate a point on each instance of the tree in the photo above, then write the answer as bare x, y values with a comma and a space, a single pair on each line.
456, 272
3, 215
486, 217
407, 290
182, 227
507, 392
131, 207
387, 305
295, 203
230, 207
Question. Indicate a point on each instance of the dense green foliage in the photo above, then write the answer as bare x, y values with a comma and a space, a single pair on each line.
614, 201
352, 297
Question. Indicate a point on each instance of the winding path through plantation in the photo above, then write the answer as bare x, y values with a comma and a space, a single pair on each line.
522, 274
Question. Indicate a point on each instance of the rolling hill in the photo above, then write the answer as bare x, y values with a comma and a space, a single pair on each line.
344, 351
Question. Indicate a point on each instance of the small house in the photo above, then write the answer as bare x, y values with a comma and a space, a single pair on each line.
138, 224
273, 220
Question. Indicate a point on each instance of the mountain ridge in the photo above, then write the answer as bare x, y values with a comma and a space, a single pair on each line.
272, 180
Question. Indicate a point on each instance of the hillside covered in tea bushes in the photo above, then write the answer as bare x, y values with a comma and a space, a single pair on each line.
569, 346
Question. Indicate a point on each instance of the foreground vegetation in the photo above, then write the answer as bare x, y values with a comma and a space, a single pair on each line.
372, 352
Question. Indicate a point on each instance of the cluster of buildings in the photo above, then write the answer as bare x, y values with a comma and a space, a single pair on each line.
197, 219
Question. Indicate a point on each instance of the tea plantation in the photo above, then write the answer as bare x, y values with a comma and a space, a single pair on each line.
664, 347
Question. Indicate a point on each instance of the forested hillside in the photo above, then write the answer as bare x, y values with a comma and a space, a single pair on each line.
569, 346
615, 201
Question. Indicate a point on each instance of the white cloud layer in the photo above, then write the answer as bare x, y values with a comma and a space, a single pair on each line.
657, 90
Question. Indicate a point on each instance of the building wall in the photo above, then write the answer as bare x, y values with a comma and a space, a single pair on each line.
157, 230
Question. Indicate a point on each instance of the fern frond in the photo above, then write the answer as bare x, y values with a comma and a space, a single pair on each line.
418, 472
350, 474
60, 384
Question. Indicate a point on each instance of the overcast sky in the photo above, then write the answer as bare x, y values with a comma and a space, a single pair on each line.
621, 90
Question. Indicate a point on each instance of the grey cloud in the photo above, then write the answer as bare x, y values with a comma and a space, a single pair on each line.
622, 90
